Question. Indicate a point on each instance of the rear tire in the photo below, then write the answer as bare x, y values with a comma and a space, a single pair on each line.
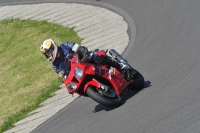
138, 81
96, 96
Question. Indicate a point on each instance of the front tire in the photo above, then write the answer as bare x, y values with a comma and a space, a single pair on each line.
96, 96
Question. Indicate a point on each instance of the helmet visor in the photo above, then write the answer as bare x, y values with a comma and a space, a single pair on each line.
49, 52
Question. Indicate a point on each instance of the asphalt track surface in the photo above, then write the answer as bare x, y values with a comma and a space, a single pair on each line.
166, 51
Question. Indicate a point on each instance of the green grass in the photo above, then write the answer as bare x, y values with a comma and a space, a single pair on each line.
26, 78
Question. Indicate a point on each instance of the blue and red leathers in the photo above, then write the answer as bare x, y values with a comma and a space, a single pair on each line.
66, 53
61, 64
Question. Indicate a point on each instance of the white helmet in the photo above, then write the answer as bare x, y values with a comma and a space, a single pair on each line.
50, 49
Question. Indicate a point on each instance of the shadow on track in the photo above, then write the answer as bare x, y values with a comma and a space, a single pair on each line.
127, 96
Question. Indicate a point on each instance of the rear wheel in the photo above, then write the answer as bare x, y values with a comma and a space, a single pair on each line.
110, 98
138, 81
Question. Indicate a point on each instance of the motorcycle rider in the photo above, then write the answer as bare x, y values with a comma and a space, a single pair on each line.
60, 55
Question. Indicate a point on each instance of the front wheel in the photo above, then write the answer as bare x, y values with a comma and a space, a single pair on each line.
110, 99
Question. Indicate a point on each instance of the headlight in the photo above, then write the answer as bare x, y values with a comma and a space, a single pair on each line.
78, 72
71, 86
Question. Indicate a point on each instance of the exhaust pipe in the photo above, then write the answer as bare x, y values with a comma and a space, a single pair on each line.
117, 56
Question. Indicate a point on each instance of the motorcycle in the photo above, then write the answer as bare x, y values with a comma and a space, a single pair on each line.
104, 84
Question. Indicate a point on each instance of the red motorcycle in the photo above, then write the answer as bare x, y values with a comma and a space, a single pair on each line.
104, 84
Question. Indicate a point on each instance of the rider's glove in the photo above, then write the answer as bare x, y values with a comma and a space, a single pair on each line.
87, 57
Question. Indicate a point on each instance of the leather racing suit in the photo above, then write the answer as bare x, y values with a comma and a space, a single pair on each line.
61, 64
